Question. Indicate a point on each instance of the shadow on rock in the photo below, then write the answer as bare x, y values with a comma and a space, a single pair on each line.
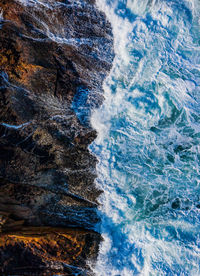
48, 51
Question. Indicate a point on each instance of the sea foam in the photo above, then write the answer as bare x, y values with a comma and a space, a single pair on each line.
148, 140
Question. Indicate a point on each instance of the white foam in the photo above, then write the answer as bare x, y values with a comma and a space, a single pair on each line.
139, 242
15, 126
1, 14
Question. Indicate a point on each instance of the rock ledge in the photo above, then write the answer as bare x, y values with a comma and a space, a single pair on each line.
54, 56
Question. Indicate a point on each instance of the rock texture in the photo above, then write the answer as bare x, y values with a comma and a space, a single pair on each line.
54, 56
46, 251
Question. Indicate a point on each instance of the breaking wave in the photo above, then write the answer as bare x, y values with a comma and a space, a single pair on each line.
148, 140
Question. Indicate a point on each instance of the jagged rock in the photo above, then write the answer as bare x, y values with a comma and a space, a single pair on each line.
54, 56
44, 250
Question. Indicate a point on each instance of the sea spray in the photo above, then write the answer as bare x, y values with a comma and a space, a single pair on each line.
148, 140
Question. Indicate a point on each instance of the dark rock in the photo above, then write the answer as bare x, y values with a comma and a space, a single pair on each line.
45, 250
176, 204
54, 56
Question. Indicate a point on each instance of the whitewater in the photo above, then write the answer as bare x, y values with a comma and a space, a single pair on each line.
148, 140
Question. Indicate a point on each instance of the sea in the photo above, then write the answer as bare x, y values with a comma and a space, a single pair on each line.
148, 144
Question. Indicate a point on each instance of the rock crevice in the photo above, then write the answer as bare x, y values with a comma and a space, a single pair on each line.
54, 56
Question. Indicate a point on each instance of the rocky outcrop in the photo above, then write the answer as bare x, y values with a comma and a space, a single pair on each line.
54, 56
47, 251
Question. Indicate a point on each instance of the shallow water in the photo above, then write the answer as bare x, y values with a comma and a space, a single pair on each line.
148, 140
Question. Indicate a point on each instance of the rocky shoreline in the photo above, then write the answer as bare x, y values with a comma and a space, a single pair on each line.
54, 57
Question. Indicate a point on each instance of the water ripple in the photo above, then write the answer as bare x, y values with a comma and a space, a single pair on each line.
148, 142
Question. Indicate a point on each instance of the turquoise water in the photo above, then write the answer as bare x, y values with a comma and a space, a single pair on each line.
148, 140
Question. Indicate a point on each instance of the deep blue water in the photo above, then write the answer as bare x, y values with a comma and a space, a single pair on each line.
148, 140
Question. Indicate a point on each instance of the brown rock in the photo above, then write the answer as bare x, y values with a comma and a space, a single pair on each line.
54, 56
45, 250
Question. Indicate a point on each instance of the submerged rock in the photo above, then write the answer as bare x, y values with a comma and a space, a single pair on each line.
49, 52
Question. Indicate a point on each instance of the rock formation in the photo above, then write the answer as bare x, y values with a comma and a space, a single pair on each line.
54, 56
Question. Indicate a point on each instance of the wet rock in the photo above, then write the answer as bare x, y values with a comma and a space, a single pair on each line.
44, 250
50, 52
176, 204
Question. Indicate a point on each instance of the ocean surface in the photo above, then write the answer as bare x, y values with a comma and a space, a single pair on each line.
148, 142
